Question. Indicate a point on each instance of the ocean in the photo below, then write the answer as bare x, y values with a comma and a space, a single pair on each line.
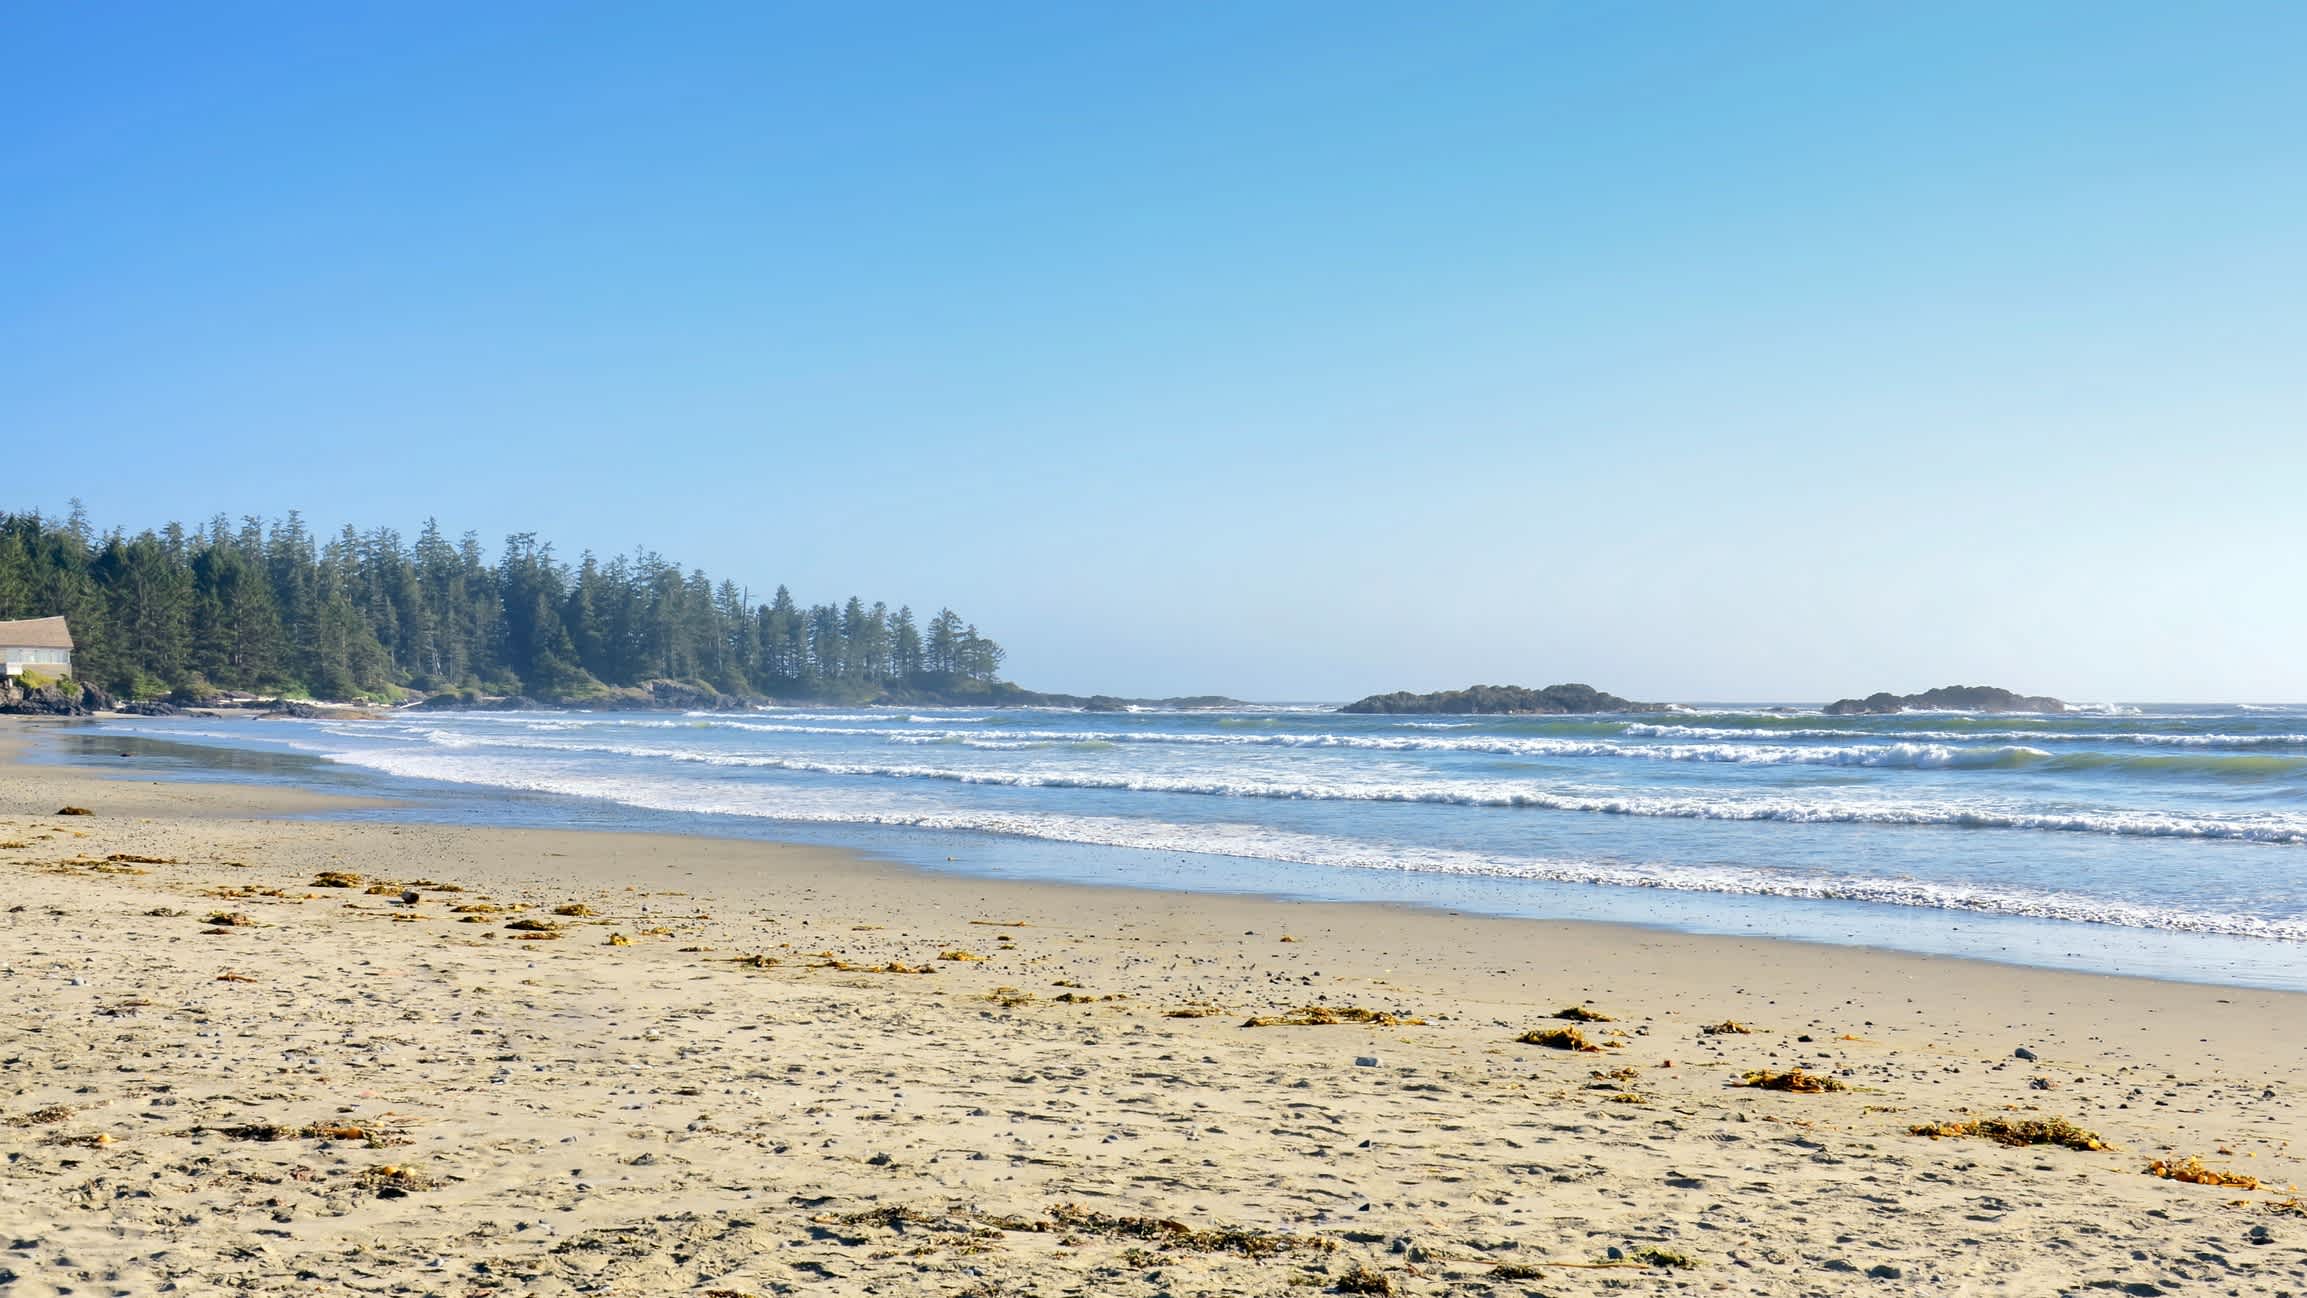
2161, 840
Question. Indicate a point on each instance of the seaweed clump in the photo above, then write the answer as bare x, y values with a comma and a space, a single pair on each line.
1559, 1039
1794, 1080
2017, 1132
2194, 1171
1363, 1279
1170, 1233
392, 1182
893, 967
1666, 1258
1728, 1027
374, 1137
1313, 1016
1581, 1014
335, 879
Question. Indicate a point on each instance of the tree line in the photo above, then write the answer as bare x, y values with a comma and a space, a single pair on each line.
272, 608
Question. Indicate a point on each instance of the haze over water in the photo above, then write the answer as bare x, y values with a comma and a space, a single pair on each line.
2167, 840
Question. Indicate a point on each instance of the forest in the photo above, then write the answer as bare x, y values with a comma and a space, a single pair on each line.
271, 608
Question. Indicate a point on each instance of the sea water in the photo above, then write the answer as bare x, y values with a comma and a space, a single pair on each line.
2166, 840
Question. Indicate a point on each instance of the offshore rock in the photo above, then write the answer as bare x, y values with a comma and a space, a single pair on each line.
1946, 698
1493, 699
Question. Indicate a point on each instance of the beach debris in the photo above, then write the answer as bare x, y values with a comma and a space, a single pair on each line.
1583, 1014
619, 939
533, 926
1663, 1257
1001, 923
1325, 1015
234, 976
1728, 1027
1173, 1234
2291, 1207
335, 879
576, 909
2023, 1053
375, 1137
1365, 1061
42, 1117
1363, 1279
1617, 1259
84, 1141
166, 912
893, 967
392, 1181
1287, 938
74, 811
753, 961
229, 919
2193, 1171
478, 908
1011, 997
961, 956
133, 858
1084, 998
1194, 1012
1559, 1039
2016, 1131
1794, 1080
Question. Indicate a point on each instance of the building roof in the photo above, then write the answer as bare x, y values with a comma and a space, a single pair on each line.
35, 633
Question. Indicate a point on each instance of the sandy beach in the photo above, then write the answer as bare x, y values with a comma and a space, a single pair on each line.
625, 1064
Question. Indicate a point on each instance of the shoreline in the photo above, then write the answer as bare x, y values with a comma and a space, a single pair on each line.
577, 1114
294, 800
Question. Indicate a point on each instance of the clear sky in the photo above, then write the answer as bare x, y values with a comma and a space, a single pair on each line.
1290, 350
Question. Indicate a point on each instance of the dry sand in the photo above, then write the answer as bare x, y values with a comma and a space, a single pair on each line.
350, 1094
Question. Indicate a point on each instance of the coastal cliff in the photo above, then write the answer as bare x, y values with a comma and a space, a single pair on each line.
1946, 698
1553, 699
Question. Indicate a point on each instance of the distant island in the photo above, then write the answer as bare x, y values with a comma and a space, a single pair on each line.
1552, 700
1946, 698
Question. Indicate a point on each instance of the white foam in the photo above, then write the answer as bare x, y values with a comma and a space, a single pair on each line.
1256, 842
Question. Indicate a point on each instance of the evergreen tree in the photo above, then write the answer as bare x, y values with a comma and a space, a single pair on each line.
269, 607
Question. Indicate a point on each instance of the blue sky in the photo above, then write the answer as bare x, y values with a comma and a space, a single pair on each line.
1286, 350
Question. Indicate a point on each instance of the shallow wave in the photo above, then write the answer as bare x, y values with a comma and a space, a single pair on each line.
1903, 753
1261, 843
2274, 828
2145, 738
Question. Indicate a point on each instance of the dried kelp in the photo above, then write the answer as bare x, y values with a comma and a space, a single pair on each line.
1559, 1039
1324, 1015
1794, 1080
2194, 1171
2016, 1131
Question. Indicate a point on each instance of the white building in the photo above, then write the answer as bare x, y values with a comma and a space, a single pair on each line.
42, 644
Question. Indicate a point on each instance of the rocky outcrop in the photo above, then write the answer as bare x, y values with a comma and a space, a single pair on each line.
1946, 698
63, 698
1502, 699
